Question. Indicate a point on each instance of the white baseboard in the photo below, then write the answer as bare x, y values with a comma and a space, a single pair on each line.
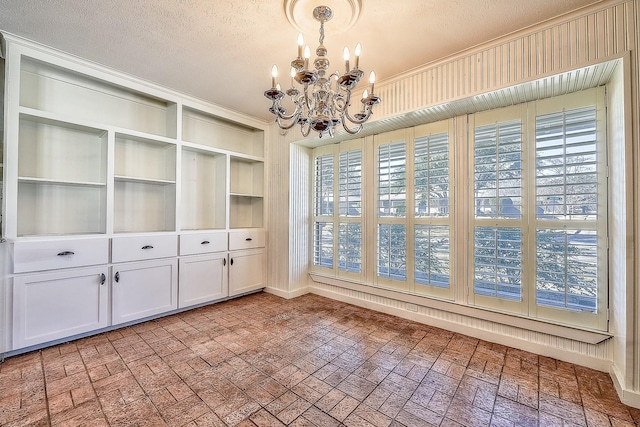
287, 294
628, 397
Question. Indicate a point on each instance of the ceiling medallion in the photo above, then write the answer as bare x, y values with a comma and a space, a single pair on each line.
322, 102
300, 14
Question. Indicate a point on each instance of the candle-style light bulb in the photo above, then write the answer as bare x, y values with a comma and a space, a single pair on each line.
278, 87
345, 55
357, 53
307, 55
365, 94
300, 44
274, 74
372, 80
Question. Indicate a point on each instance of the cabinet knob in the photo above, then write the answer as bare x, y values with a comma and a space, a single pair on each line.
65, 253
205, 242
147, 247
103, 278
231, 261
224, 262
248, 239
117, 277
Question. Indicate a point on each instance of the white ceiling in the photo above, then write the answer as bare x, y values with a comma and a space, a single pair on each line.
223, 51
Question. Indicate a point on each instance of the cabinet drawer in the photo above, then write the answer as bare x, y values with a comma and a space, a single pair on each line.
203, 243
55, 254
246, 239
139, 248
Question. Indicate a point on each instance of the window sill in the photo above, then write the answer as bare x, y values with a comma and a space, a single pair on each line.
569, 332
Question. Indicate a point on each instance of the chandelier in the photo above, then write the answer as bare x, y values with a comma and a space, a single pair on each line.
322, 102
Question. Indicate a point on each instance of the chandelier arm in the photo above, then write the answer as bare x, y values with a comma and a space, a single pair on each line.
308, 129
286, 126
340, 103
351, 131
356, 121
294, 114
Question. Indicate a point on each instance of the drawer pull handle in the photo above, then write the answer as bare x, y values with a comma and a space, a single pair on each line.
117, 276
65, 253
248, 239
147, 247
224, 262
103, 278
205, 242
231, 261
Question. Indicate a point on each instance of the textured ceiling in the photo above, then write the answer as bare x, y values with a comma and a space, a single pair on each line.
222, 51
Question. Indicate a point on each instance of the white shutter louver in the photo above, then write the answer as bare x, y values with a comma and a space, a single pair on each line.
392, 191
431, 175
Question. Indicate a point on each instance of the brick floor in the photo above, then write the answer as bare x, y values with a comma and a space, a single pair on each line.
264, 361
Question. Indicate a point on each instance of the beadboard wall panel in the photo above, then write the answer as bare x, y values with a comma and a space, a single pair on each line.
634, 335
562, 45
299, 202
277, 178
288, 184
620, 210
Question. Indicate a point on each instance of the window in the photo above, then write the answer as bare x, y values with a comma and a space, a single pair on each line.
350, 212
413, 210
323, 211
391, 180
539, 227
567, 191
337, 230
503, 210
570, 213
498, 203
432, 209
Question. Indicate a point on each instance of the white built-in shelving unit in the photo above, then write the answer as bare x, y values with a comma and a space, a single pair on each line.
123, 200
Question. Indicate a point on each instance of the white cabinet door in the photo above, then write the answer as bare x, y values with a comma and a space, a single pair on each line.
202, 279
50, 306
246, 271
144, 289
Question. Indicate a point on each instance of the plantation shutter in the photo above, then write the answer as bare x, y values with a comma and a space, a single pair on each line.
497, 243
350, 212
567, 209
323, 211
